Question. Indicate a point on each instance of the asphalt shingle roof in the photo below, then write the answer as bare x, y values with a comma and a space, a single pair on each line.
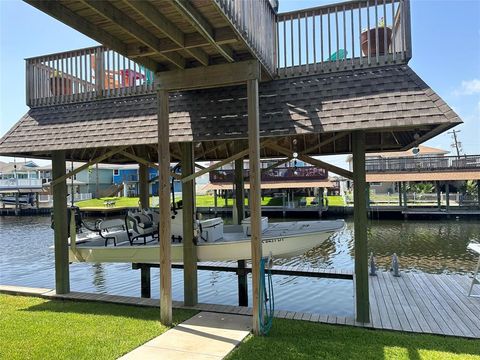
384, 99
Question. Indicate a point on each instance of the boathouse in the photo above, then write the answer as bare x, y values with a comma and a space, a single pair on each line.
220, 80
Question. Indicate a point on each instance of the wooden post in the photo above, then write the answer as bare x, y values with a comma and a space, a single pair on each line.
405, 195
439, 195
240, 205
190, 282
215, 202
17, 201
478, 192
62, 279
144, 192
97, 190
360, 228
255, 196
37, 203
145, 281
164, 207
400, 193
447, 196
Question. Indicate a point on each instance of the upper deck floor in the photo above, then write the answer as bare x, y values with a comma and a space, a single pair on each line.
349, 35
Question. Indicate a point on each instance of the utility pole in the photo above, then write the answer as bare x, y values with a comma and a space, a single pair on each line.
455, 141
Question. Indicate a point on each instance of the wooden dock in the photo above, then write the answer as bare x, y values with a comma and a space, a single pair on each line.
413, 302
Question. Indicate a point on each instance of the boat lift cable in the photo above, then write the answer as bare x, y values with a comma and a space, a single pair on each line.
267, 300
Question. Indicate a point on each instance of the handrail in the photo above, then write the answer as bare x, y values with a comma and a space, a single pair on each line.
302, 173
255, 22
83, 75
337, 37
423, 164
352, 34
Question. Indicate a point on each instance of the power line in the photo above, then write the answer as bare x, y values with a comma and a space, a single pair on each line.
455, 141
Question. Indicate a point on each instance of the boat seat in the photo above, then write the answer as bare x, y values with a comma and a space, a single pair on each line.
140, 226
111, 230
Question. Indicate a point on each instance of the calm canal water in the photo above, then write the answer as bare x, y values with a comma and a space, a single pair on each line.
26, 258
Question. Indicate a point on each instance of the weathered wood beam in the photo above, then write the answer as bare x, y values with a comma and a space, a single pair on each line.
202, 26
239, 155
222, 36
190, 282
254, 201
147, 163
68, 17
150, 13
88, 164
128, 24
59, 190
362, 305
313, 161
164, 225
144, 193
207, 77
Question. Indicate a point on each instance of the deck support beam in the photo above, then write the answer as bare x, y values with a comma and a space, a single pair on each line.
255, 195
145, 281
360, 228
164, 207
240, 211
143, 190
190, 282
447, 196
439, 195
62, 278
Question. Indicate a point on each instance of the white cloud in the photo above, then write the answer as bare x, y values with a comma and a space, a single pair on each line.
468, 87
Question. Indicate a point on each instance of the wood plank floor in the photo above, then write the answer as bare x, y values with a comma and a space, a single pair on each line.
421, 303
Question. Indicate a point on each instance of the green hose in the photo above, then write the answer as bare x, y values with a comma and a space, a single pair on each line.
267, 302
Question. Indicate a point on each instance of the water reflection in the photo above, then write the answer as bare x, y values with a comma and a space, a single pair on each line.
26, 258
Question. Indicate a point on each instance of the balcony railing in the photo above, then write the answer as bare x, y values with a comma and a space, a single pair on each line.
354, 34
83, 75
345, 35
304, 173
7, 184
255, 22
424, 164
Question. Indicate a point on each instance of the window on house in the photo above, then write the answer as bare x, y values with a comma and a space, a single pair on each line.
375, 184
115, 172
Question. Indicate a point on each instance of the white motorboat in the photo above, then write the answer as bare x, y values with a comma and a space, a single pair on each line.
216, 241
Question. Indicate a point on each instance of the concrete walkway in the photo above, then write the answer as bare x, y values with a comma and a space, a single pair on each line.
206, 336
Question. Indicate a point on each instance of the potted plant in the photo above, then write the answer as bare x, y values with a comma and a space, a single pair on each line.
382, 31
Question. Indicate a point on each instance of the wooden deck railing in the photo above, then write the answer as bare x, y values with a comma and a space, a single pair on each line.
423, 163
361, 33
83, 75
353, 34
302, 173
255, 22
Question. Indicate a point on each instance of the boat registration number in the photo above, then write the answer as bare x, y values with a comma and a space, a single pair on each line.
274, 240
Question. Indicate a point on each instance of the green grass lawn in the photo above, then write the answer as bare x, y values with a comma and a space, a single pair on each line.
202, 201
34, 328
299, 340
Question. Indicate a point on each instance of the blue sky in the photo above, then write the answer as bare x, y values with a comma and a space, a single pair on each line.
446, 55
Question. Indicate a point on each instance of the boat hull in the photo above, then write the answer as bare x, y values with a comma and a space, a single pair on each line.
278, 246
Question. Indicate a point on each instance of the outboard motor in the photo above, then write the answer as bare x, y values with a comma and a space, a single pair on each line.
78, 219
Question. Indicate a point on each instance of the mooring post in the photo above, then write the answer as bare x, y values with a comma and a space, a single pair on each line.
145, 281
447, 196
144, 193
59, 189
215, 202
360, 228
190, 281
240, 207
164, 206
439, 195
400, 193
255, 196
